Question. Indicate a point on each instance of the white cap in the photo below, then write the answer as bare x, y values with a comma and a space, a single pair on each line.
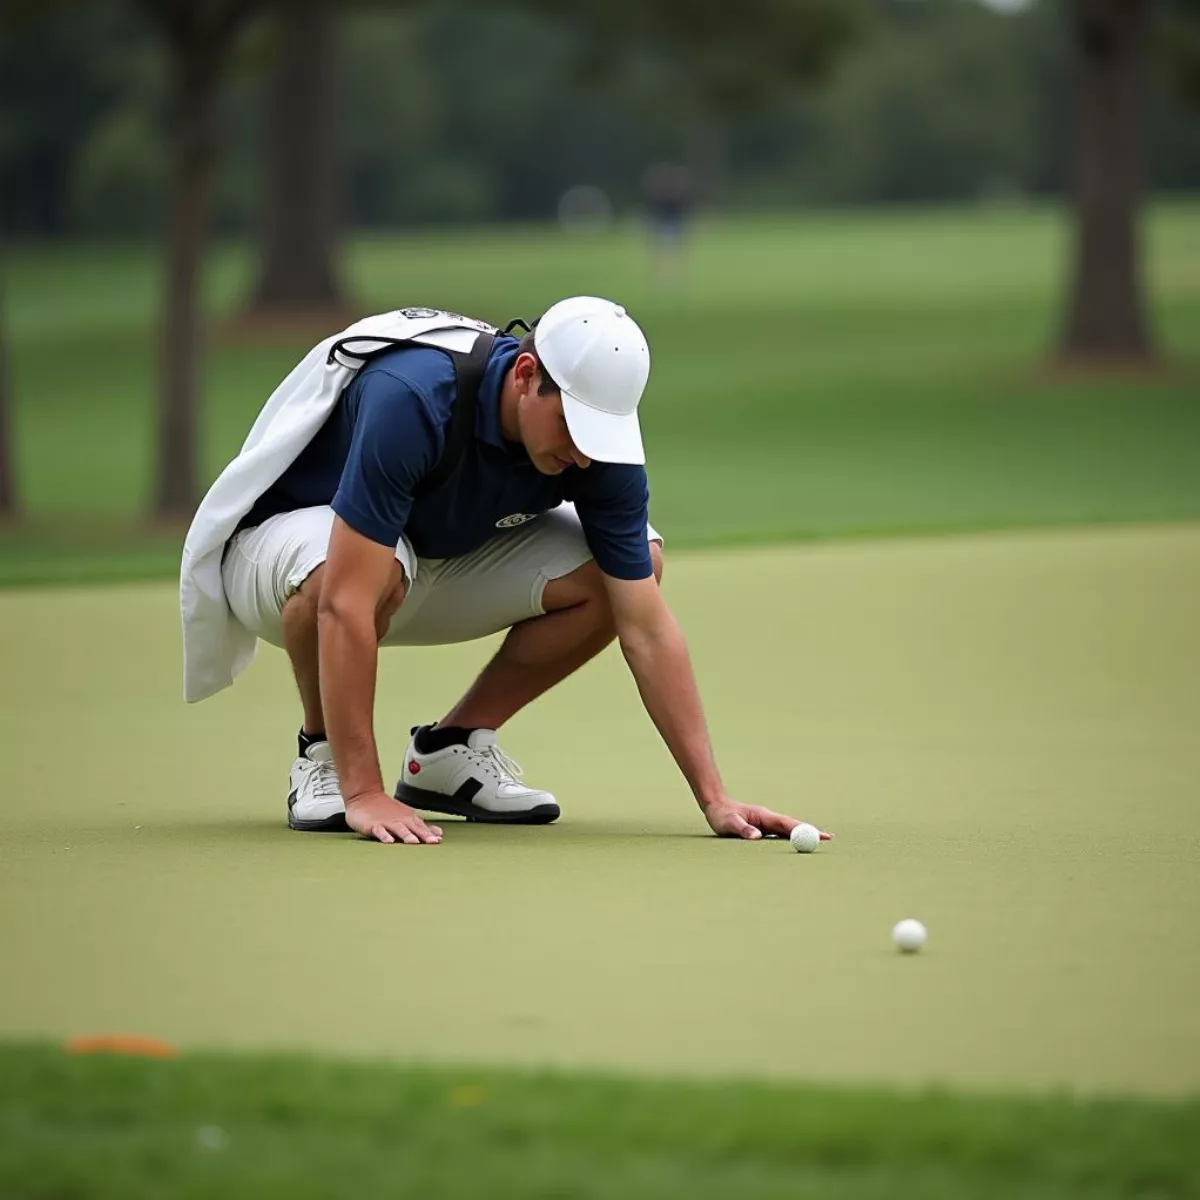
595, 352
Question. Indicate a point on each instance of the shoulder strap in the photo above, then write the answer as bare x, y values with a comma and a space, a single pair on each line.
468, 375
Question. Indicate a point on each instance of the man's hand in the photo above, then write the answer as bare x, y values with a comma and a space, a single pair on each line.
376, 815
750, 821
657, 655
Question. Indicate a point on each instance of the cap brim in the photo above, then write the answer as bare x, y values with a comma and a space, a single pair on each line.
605, 437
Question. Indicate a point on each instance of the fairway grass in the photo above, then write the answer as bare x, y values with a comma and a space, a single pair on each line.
1001, 731
125, 1129
814, 376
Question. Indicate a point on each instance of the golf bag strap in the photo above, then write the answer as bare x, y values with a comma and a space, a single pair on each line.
468, 376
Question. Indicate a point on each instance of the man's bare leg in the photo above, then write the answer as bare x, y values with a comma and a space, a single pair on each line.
543, 651
300, 642
300, 638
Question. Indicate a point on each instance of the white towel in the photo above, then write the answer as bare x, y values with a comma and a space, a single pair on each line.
216, 646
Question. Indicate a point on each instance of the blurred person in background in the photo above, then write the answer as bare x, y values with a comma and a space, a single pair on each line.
669, 197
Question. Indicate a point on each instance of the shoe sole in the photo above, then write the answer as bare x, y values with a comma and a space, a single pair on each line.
333, 824
541, 814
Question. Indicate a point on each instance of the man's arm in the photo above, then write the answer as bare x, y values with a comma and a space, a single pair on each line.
657, 654
356, 580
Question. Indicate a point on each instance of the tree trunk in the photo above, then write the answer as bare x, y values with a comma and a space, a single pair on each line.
1106, 318
195, 68
8, 486
299, 230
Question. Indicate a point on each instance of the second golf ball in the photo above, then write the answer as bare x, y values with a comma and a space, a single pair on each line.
909, 935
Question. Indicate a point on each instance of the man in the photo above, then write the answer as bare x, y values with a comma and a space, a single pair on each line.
668, 190
388, 528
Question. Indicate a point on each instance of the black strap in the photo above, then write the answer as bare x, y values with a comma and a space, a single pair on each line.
468, 376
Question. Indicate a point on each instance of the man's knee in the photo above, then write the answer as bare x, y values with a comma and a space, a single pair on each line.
393, 597
303, 603
586, 584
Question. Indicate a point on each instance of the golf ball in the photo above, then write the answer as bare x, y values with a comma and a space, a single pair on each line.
805, 838
909, 935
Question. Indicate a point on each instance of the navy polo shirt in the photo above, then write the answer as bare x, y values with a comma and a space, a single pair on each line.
388, 431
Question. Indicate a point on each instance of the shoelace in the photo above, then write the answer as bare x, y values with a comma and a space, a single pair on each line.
507, 769
325, 780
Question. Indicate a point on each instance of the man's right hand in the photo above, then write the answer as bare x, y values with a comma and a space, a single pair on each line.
376, 815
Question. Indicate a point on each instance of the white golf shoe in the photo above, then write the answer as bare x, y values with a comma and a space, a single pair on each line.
477, 781
315, 803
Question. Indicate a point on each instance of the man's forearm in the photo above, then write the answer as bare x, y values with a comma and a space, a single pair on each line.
349, 657
663, 671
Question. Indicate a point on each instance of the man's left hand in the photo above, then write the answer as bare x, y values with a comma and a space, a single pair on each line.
750, 821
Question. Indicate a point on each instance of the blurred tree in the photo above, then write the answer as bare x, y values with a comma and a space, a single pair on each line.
198, 35
119, 175
937, 101
8, 488
724, 60
298, 229
1105, 318
56, 73
1177, 47
31, 149
939, 98
731, 62
1174, 144
485, 141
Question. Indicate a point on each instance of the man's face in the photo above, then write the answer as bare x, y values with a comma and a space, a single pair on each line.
543, 427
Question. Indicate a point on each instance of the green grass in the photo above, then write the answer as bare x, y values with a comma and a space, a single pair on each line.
817, 376
1000, 730
213, 1126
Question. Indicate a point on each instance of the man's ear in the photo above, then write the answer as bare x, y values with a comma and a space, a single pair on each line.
525, 368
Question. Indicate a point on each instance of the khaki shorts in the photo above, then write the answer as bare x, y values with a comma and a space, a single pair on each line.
448, 599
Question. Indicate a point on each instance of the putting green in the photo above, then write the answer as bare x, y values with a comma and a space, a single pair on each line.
1002, 731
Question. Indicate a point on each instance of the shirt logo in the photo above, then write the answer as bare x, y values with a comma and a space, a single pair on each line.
515, 520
